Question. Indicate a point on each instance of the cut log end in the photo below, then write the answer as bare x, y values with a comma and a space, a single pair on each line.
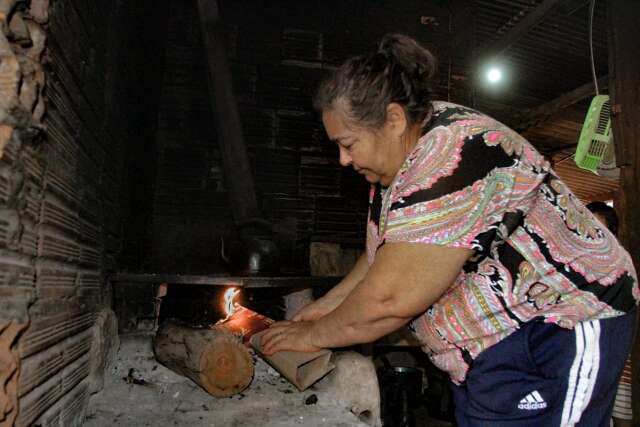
227, 367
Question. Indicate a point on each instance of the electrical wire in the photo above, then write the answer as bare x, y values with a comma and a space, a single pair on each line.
557, 162
592, 7
450, 54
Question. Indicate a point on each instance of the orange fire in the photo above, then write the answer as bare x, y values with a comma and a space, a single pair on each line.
229, 305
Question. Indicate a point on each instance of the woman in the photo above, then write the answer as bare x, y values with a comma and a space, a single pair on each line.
507, 280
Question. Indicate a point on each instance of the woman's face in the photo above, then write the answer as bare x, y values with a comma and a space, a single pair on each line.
376, 154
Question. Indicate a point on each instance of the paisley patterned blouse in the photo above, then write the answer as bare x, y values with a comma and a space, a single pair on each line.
539, 254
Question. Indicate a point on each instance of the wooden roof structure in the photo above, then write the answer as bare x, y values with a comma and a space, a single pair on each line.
543, 46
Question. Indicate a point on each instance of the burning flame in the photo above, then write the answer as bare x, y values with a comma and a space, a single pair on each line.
229, 306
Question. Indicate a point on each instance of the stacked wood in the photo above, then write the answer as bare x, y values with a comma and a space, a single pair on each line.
215, 358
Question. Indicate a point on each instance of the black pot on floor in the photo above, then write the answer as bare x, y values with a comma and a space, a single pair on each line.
400, 393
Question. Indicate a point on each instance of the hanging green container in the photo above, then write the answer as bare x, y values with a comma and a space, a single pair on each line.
595, 137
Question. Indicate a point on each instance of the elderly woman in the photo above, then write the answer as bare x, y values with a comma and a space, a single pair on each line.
510, 284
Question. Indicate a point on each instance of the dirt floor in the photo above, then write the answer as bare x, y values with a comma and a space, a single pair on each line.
140, 392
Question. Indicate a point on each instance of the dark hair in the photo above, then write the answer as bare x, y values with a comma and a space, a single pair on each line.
607, 212
400, 71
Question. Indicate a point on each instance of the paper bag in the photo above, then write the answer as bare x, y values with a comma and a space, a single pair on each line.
301, 369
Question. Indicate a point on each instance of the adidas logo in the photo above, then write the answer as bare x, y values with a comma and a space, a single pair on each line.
532, 401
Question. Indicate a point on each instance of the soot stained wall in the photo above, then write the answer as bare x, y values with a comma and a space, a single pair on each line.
63, 195
279, 50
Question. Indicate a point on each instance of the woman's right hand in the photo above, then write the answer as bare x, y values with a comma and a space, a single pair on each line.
317, 309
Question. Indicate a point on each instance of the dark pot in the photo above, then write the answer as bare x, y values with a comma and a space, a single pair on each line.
254, 253
400, 393
254, 257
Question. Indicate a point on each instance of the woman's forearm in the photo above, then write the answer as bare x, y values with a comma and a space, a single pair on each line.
336, 333
403, 282
360, 318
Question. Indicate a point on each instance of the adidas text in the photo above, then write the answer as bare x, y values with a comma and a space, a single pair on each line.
531, 406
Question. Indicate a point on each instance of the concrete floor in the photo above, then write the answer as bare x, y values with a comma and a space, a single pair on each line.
168, 399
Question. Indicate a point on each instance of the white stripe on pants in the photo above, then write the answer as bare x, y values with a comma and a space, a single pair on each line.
583, 373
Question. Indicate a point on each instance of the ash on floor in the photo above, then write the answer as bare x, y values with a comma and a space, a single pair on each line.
138, 392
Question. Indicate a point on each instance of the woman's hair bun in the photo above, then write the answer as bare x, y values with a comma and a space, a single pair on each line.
417, 61
399, 71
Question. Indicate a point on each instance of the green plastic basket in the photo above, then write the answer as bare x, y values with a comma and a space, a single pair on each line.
595, 136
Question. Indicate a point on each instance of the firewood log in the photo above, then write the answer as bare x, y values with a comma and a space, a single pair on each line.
215, 358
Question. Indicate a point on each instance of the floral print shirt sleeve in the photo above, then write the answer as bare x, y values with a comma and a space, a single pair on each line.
471, 182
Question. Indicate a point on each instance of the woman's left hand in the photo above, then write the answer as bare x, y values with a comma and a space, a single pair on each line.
288, 335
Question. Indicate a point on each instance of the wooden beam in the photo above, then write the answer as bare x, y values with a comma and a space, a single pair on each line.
541, 113
624, 83
530, 20
463, 25
572, 6
236, 165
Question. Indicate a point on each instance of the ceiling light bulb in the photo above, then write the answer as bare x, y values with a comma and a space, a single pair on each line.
494, 75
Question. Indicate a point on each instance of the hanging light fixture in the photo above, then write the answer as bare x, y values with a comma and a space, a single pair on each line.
494, 75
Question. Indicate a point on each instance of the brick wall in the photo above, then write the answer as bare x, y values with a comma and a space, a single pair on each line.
63, 190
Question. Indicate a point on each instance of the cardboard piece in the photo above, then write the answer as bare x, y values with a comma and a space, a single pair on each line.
245, 322
301, 369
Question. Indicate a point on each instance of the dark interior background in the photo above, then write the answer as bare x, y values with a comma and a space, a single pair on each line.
124, 173
279, 51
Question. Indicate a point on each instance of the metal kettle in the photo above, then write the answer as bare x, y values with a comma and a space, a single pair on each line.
253, 253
